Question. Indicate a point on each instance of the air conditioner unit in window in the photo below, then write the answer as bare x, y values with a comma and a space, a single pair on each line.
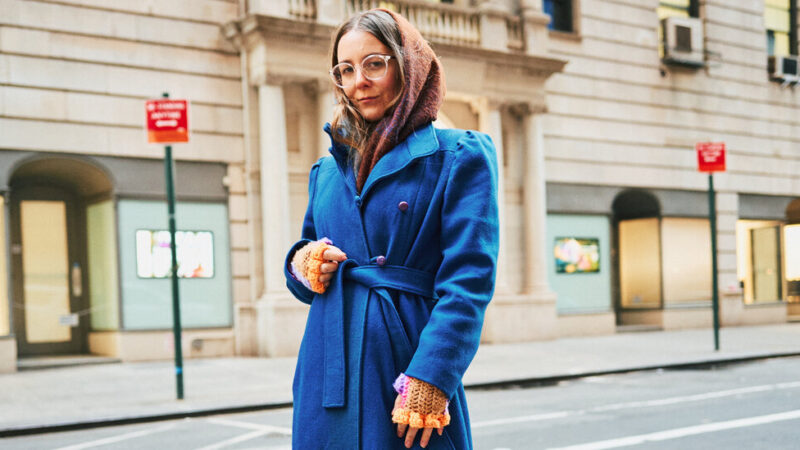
683, 41
784, 68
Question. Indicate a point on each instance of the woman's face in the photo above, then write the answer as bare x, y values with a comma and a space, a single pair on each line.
371, 97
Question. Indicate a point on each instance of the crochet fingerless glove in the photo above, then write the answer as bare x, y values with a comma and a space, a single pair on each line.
423, 405
307, 262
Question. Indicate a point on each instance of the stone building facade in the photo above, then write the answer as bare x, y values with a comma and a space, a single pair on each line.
604, 215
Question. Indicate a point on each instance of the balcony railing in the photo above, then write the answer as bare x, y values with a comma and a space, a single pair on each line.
303, 9
437, 22
516, 39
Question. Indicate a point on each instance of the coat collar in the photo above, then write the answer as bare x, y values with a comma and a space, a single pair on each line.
421, 142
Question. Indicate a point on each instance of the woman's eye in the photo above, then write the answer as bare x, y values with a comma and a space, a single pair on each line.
374, 65
347, 70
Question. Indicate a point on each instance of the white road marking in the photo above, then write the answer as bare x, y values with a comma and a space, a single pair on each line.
685, 431
531, 418
119, 438
260, 430
639, 404
236, 440
252, 426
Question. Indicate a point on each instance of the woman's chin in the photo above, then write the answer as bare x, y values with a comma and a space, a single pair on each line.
372, 114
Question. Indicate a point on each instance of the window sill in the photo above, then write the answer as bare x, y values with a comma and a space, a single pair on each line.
565, 35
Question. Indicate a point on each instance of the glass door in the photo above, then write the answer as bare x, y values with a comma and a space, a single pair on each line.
47, 273
767, 279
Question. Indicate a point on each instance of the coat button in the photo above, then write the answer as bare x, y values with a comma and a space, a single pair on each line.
402, 206
380, 260
358, 201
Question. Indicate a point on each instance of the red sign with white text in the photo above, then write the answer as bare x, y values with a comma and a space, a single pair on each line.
167, 121
710, 156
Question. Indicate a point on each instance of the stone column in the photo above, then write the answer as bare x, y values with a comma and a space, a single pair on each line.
491, 123
535, 208
326, 100
274, 185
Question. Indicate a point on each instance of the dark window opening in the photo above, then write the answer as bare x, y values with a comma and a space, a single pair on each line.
560, 12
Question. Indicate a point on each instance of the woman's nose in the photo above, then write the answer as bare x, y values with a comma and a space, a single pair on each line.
361, 80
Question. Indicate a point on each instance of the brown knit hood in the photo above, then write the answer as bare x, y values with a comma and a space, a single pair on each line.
418, 105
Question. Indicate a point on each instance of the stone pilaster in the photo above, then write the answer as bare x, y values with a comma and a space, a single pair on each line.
535, 24
326, 101
494, 34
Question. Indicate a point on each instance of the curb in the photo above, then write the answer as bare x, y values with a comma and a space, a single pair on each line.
503, 384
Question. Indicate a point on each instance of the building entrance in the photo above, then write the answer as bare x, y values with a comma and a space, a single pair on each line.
47, 263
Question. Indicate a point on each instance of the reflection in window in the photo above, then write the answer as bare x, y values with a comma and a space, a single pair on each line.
758, 249
560, 12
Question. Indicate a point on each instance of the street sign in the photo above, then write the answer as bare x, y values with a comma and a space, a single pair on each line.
710, 156
167, 121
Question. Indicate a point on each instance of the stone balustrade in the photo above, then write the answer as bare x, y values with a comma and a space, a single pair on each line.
481, 27
303, 9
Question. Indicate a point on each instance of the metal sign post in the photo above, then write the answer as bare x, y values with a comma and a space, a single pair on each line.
168, 122
711, 158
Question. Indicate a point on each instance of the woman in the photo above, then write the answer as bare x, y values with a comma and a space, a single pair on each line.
398, 252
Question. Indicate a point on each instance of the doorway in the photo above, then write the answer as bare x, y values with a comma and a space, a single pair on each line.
47, 261
638, 292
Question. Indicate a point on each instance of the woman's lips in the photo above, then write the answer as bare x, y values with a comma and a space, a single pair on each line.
367, 99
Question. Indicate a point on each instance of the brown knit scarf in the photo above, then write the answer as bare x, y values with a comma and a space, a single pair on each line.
419, 104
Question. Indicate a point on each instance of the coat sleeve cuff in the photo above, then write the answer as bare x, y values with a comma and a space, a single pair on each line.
296, 287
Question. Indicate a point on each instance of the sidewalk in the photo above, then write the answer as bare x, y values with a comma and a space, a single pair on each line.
76, 396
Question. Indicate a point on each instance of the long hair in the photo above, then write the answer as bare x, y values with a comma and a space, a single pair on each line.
348, 126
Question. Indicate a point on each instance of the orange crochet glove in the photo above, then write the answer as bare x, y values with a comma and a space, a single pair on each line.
423, 405
307, 262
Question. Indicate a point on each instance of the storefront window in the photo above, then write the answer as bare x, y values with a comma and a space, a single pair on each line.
686, 259
102, 261
579, 268
205, 297
791, 242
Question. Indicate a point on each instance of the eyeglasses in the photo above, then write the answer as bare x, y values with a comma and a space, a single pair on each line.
373, 67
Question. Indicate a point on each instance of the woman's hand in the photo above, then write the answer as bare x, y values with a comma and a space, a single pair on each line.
332, 256
411, 432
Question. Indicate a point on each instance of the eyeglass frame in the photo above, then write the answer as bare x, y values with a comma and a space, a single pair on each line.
359, 69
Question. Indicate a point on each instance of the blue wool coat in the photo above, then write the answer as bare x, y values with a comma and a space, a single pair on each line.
421, 240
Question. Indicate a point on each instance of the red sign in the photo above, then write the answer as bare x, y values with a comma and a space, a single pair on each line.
167, 121
710, 156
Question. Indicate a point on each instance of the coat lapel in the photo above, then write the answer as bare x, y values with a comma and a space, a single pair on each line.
422, 142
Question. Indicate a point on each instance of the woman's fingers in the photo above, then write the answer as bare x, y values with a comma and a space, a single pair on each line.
401, 429
412, 433
324, 278
334, 254
426, 436
328, 267
440, 430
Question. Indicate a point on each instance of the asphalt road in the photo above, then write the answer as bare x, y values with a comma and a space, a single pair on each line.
746, 406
